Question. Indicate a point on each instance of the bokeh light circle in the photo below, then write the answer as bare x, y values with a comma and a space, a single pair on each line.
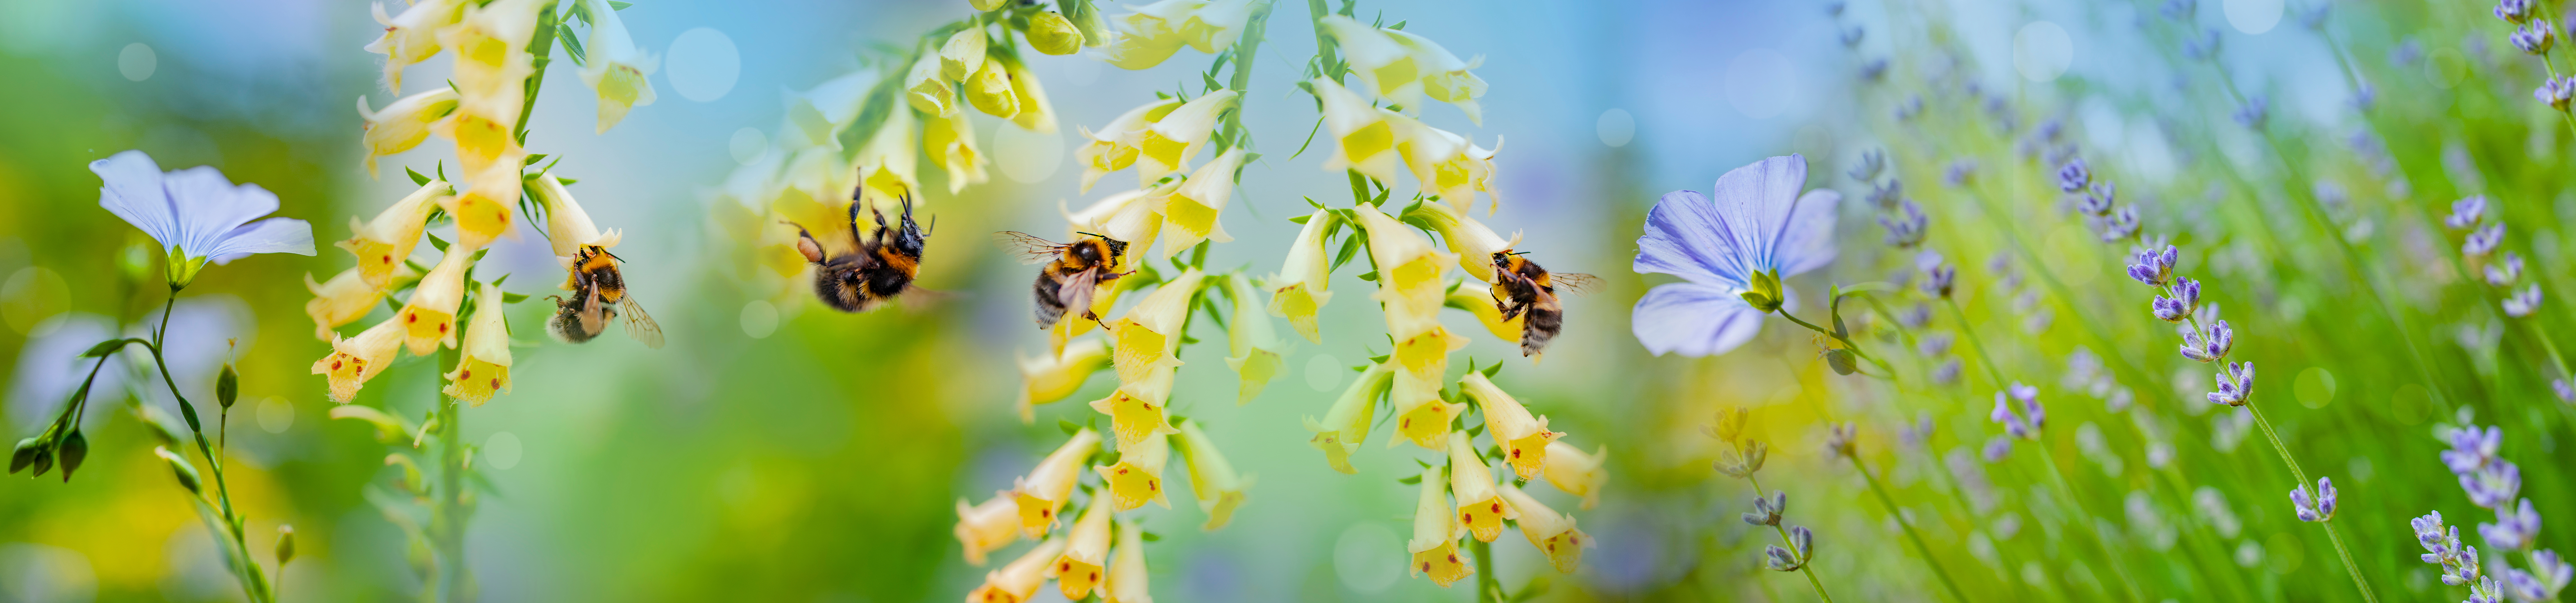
2042, 51
703, 64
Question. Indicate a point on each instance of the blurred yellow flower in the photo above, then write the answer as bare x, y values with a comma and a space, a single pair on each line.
1114, 146
815, 118
1458, 175
413, 36
1254, 346
384, 243
1036, 114
429, 317
926, 90
1019, 579
1153, 32
1435, 534
1364, 137
1300, 288
1051, 33
983, 528
1575, 472
1478, 299
614, 67
1167, 145
1046, 488
1138, 477
344, 299
1480, 508
1346, 425
1471, 240
1078, 571
962, 54
403, 124
1552, 532
886, 165
485, 367
354, 360
1046, 379
1524, 439
1191, 209
1127, 579
482, 209
1403, 68
1412, 289
950, 143
989, 89
1147, 338
1219, 489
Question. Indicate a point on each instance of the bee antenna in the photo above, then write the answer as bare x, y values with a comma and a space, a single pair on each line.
612, 256
1094, 234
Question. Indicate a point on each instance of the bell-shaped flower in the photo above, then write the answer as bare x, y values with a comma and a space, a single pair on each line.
412, 37
1524, 438
1190, 211
986, 527
1346, 425
1759, 229
402, 125
1480, 508
1478, 299
1300, 288
1403, 68
354, 360
1051, 33
1166, 146
493, 57
1452, 167
614, 67
1019, 579
568, 227
1435, 534
485, 367
990, 90
1138, 477
1411, 288
1576, 472
1364, 137
1079, 570
1043, 492
1114, 146
1132, 216
342, 300
1254, 346
1047, 379
383, 244
1153, 32
1127, 580
1036, 114
1148, 337
886, 163
429, 317
963, 53
950, 143
1552, 532
1474, 244
196, 214
927, 90
484, 206
1219, 489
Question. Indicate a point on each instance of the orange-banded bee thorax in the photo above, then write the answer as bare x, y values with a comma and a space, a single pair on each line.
1072, 275
880, 267
592, 265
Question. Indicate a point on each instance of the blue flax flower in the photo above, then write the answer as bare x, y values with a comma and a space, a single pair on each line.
196, 214
1732, 251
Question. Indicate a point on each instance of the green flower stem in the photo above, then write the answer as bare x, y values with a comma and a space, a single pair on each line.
1848, 344
1245, 48
254, 584
1996, 373
1489, 589
1974, 343
1910, 534
1805, 566
449, 512
543, 47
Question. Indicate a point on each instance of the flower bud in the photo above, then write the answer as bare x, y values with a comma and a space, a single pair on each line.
962, 54
227, 387
989, 90
1765, 294
285, 545
24, 455
986, 4
926, 91
179, 466
73, 450
1051, 33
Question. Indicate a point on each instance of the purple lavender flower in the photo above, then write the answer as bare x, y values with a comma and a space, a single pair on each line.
2201, 47
1872, 162
2099, 200
1916, 435
1758, 229
1960, 172
2504, 272
2364, 97
1886, 196
2030, 417
2523, 303
2211, 343
2487, 590
2178, 10
2555, 91
1934, 345
2535, 37
2466, 212
1939, 279
2322, 508
1915, 316
1948, 372
2463, 564
2484, 241
1839, 439
2074, 176
2566, 392
1780, 559
2004, 414
1874, 70
2471, 448
1853, 36
2491, 486
2235, 384
1997, 447
1767, 512
1912, 106
2428, 531
2185, 300
2153, 267
2513, 11
2514, 529
2253, 112
2119, 226
2547, 577
1906, 231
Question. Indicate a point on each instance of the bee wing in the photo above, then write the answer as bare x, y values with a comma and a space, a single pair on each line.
1032, 250
1573, 283
593, 318
640, 325
1076, 290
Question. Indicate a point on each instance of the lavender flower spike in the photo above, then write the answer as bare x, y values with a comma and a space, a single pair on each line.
2484, 241
2235, 385
2466, 212
2186, 299
2535, 37
1839, 439
2212, 343
2098, 201
1908, 231
2523, 303
2566, 392
2320, 509
1939, 279
2492, 485
2004, 414
2153, 267
1886, 195
2119, 226
2428, 532
2464, 564
2514, 11
1756, 228
2074, 177
1767, 512
1997, 447
2504, 271
2547, 577
1871, 163
2555, 91
2514, 529
2487, 590
2471, 448
2254, 111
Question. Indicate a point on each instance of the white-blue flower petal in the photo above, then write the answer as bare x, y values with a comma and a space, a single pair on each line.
1694, 320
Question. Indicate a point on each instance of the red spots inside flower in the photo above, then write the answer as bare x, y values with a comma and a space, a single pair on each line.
1122, 471
463, 375
389, 258
1153, 486
1516, 453
335, 365
504, 217
1453, 557
1046, 512
442, 327
1426, 566
1470, 516
409, 317
496, 383
1498, 507
1095, 575
1408, 422
1064, 566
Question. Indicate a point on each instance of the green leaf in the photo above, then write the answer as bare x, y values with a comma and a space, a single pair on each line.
512, 298
618, 5
1068, 426
1350, 248
106, 347
1410, 480
571, 44
1302, 219
565, 181
416, 177
1150, 537
1380, 359
1370, 276
434, 241
1398, 26
442, 164
1490, 370
393, 305
533, 158
1477, 430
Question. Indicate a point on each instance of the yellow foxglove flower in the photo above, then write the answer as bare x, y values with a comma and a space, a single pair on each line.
344, 299
1458, 178
1167, 145
1079, 570
1480, 508
1575, 472
1133, 216
491, 43
1552, 532
816, 116
1409, 269
1404, 68
569, 228
1051, 33
413, 36
1300, 288
429, 317
1127, 580
383, 243
1019, 579
1051, 378
1524, 439
483, 207
1155, 31
1346, 426
962, 54
814, 191
1147, 338
983, 528
485, 367
1364, 137
354, 360
926, 90
1114, 147
1138, 477
950, 142
1191, 209
1412, 290
886, 164
1036, 114
1478, 299
1043, 492
1219, 489
614, 67
404, 124
1471, 240
483, 141
989, 89
1435, 534
1254, 345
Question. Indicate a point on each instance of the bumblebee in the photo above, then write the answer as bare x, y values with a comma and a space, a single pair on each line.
881, 269
598, 296
1522, 288
1074, 270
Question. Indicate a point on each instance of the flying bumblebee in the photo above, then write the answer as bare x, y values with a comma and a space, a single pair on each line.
599, 295
882, 267
1521, 288
1073, 271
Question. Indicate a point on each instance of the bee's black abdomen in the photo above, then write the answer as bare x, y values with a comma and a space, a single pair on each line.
836, 290
1541, 326
1050, 306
